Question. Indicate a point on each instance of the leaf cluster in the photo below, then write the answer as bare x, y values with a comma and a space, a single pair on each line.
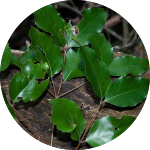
89, 55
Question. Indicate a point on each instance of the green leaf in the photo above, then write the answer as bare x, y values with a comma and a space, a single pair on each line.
92, 23
28, 55
96, 71
24, 86
124, 92
8, 106
6, 58
125, 65
49, 20
68, 117
74, 65
103, 49
44, 66
107, 128
15, 60
52, 53
69, 35
76, 40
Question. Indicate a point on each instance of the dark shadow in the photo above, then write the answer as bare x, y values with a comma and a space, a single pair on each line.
116, 108
4, 75
90, 91
29, 104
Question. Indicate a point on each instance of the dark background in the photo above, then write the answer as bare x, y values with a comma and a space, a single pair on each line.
117, 30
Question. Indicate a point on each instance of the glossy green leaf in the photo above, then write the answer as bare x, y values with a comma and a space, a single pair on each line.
96, 71
76, 40
15, 60
125, 65
28, 55
92, 23
49, 20
68, 36
103, 49
68, 117
25, 86
6, 58
124, 92
8, 106
52, 53
107, 128
44, 66
74, 65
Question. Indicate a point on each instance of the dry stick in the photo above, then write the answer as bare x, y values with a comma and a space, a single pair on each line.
72, 3
50, 92
113, 33
71, 90
25, 123
125, 31
52, 135
53, 86
62, 72
90, 124
55, 95
129, 38
71, 8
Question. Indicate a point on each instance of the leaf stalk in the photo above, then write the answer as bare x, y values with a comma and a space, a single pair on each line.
89, 126
62, 72
71, 90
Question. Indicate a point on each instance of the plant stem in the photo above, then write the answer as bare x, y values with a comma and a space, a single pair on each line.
53, 86
62, 72
52, 135
26, 123
71, 90
90, 124
50, 92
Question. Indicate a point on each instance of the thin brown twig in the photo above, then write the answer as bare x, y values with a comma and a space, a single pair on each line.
71, 90
54, 87
50, 92
52, 135
17, 52
71, 8
125, 31
72, 3
130, 36
114, 20
26, 123
113, 33
90, 124
129, 45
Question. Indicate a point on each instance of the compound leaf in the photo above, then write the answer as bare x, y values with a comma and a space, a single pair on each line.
68, 117
49, 20
6, 58
8, 106
69, 35
103, 49
74, 65
125, 65
24, 86
96, 71
51, 52
106, 129
124, 92
92, 23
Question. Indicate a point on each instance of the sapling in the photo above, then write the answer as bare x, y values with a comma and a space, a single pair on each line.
87, 54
